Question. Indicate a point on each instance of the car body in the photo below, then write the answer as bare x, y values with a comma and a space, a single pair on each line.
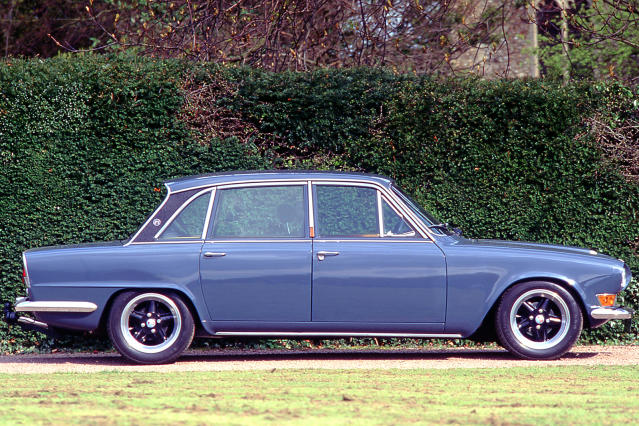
306, 253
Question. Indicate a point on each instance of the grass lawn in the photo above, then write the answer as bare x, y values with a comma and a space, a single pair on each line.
538, 395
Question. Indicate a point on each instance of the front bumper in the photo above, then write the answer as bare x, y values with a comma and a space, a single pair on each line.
611, 313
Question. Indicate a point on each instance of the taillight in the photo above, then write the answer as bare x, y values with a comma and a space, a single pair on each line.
25, 273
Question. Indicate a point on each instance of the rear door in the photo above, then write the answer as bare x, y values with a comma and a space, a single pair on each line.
255, 265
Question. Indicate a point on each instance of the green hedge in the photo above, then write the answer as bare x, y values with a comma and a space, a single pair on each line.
85, 142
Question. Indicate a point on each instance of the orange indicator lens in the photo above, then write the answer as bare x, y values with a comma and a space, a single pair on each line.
606, 299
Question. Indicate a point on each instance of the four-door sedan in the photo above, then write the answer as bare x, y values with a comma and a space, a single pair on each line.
309, 254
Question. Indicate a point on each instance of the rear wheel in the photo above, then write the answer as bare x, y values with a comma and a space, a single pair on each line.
538, 320
150, 328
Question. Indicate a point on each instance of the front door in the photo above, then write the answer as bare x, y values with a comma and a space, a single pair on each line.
255, 264
369, 265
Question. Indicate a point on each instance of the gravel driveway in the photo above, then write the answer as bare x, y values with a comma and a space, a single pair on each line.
217, 360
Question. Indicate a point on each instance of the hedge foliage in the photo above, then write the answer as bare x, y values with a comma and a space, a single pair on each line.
85, 142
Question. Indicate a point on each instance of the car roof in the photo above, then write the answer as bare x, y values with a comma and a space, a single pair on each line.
200, 181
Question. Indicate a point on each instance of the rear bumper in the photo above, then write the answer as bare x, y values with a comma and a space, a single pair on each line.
24, 305
612, 313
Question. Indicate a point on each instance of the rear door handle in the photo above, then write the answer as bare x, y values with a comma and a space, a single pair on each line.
211, 254
322, 254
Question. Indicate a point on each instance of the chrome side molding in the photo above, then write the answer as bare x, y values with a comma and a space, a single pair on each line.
316, 333
54, 306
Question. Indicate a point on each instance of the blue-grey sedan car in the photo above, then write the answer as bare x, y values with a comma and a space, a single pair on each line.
314, 254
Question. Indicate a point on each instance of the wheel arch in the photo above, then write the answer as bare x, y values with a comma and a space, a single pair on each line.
486, 331
159, 289
560, 282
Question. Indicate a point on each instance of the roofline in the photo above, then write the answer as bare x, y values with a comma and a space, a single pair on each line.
195, 178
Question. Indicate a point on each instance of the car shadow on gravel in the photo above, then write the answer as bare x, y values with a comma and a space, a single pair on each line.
435, 355
217, 356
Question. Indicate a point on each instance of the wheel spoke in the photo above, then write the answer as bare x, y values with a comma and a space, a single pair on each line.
165, 317
553, 324
152, 306
544, 333
161, 333
524, 323
139, 316
528, 306
536, 334
544, 304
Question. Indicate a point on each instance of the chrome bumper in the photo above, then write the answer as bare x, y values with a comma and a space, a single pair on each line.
23, 305
612, 313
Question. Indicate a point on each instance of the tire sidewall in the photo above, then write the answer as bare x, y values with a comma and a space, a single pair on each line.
507, 337
171, 353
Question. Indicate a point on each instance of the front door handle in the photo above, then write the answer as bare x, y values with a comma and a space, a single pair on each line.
211, 254
322, 254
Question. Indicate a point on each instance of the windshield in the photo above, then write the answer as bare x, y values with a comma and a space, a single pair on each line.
426, 217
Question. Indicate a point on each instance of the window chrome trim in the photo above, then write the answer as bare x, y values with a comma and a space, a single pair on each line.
262, 181
373, 239
394, 200
232, 185
311, 211
267, 183
155, 212
209, 210
380, 217
179, 210
255, 240
407, 214
401, 216
139, 243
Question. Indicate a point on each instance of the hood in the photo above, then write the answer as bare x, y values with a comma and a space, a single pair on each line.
554, 248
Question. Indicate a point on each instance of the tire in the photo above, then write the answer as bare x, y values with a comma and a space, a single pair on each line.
150, 328
538, 320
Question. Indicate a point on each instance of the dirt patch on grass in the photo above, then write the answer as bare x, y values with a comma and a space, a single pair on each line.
220, 360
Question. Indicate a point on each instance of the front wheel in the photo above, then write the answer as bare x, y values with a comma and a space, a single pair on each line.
538, 320
150, 328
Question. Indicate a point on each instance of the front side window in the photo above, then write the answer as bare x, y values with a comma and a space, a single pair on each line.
346, 211
260, 212
189, 223
394, 224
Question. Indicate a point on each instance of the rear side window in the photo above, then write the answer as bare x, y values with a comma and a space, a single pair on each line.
189, 223
260, 212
